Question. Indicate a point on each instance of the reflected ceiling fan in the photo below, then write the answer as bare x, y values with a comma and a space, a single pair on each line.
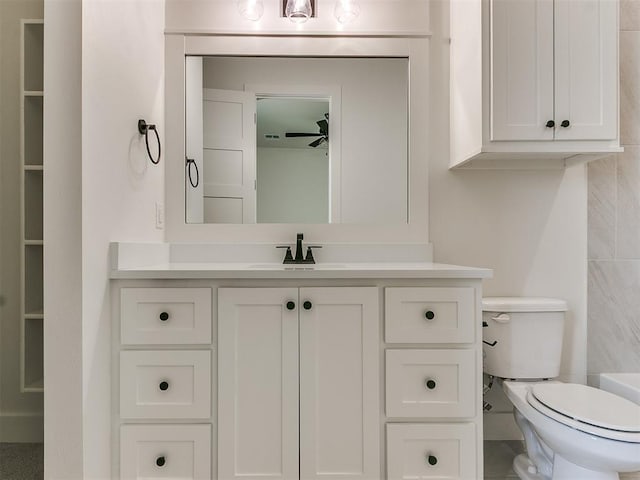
323, 134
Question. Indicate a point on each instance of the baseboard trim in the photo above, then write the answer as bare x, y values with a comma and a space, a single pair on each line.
21, 428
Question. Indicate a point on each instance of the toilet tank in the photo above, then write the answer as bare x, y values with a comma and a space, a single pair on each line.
522, 336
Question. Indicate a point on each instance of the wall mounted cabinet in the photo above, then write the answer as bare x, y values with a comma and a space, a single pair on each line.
534, 83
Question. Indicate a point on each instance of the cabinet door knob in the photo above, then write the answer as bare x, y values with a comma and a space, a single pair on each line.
163, 386
160, 461
429, 315
565, 123
291, 305
432, 460
430, 383
164, 316
307, 305
551, 124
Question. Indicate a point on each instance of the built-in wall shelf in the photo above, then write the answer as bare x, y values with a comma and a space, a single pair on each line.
32, 213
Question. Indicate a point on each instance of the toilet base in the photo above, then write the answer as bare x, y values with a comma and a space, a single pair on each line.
525, 469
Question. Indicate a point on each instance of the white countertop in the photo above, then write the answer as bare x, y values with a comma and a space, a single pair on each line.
280, 271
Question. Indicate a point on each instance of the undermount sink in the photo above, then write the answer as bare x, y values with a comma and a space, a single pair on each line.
296, 266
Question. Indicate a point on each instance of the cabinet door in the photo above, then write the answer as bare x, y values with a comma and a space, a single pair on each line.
339, 390
521, 69
586, 65
257, 383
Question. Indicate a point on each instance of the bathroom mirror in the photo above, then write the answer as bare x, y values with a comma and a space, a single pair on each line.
364, 205
296, 140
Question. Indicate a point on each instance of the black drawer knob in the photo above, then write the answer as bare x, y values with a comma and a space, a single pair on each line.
307, 305
164, 316
429, 315
432, 460
565, 123
551, 124
430, 384
164, 386
291, 305
160, 461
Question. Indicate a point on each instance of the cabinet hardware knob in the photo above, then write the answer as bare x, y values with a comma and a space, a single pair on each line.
291, 305
429, 315
551, 124
432, 460
160, 461
430, 383
163, 386
307, 305
565, 123
164, 316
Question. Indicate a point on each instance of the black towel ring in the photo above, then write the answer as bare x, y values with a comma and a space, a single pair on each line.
192, 162
143, 129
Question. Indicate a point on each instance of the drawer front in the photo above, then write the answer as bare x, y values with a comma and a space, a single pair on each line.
431, 451
429, 315
165, 384
430, 383
165, 316
165, 451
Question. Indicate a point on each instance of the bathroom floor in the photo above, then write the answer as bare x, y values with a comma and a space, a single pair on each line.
21, 461
498, 458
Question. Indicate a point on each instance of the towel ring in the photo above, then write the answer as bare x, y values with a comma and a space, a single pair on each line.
191, 162
143, 129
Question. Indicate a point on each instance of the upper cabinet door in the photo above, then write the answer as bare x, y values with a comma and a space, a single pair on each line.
586, 64
339, 389
257, 383
522, 69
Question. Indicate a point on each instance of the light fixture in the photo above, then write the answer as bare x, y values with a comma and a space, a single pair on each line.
251, 9
299, 11
346, 10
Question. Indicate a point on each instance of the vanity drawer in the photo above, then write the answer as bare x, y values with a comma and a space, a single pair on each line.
430, 383
429, 315
165, 316
431, 451
165, 451
165, 384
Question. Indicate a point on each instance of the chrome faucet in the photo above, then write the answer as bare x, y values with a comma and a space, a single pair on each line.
299, 257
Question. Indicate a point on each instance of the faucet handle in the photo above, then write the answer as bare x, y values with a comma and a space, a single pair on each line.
288, 257
309, 258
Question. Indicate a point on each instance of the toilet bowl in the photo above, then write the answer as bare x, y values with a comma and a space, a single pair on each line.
571, 431
574, 431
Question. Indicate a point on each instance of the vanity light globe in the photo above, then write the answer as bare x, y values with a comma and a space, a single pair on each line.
298, 11
346, 10
251, 9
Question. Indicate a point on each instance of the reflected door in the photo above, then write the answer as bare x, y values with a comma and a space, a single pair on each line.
229, 156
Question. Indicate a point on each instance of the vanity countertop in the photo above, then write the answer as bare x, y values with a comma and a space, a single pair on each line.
279, 271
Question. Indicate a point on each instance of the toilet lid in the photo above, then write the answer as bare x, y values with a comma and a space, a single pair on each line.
590, 406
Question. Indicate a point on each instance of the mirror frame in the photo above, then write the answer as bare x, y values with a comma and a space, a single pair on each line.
416, 49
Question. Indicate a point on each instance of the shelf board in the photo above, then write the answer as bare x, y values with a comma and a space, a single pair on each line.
35, 386
34, 242
39, 168
33, 93
38, 315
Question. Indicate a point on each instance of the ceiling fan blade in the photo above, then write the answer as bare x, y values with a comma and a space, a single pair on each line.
324, 126
300, 134
317, 142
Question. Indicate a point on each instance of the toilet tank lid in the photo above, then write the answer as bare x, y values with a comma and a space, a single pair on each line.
523, 304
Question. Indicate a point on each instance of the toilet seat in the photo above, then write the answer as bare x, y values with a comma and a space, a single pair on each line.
587, 409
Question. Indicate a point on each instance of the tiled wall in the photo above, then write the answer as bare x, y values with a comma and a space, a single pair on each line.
614, 225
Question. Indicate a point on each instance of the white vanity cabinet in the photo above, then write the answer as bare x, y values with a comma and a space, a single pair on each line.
297, 375
298, 362
542, 84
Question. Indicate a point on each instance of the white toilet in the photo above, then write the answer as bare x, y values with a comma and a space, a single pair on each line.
571, 431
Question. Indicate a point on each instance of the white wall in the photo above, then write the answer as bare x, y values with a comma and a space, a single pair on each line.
293, 185
20, 413
528, 226
122, 80
373, 121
